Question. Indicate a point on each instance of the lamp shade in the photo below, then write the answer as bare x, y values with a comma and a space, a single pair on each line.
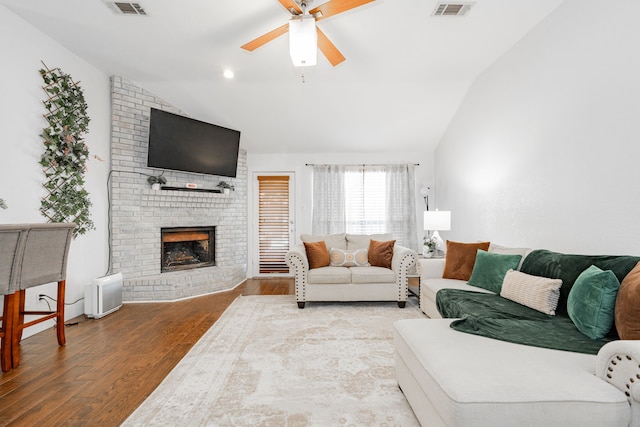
437, 220
303, 40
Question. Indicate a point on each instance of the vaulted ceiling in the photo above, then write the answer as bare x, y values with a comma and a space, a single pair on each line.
404, 76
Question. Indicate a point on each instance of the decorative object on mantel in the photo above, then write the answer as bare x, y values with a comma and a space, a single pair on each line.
436, 221
226, 187
65, 152
3, 205
156, 181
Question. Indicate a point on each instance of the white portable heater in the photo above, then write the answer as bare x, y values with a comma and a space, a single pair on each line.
103, 296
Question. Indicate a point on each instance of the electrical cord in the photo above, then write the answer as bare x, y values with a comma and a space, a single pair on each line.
43, 296
109, 220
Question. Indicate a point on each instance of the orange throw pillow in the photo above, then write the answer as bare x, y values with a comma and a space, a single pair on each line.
317, 254
381, 253
461, 257
626, 312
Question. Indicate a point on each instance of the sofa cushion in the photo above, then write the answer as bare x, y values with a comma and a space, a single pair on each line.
430, 287
381, 253
461, 258
332, 240
592, 301
492, 316
568, 267
329, 275
489, 269
347, 258
361, 241
372, 275
539, 293
457, 303
317, 254
627, 314
474, 381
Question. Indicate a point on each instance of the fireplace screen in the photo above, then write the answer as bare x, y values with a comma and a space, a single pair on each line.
187, 247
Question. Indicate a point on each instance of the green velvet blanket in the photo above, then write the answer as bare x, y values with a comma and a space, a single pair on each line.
492, 316
495, 317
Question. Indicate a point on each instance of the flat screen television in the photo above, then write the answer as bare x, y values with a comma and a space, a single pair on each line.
183, 144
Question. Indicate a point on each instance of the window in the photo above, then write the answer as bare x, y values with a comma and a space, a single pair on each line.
365, 199
365, 196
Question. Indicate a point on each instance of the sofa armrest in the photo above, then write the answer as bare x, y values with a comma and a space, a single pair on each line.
401, 263
296, 259
403, 258
618, 363
431, 268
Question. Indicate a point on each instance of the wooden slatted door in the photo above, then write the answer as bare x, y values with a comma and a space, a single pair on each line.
274, 223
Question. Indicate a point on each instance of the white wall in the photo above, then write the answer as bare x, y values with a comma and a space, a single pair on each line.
21, 109
295, 163
544, 150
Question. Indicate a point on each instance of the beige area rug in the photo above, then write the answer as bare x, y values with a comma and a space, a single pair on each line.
267, 363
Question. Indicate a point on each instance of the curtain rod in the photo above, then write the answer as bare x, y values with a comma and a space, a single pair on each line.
362, 164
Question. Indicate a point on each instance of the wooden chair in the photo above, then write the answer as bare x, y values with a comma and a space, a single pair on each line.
11, 245
44, 260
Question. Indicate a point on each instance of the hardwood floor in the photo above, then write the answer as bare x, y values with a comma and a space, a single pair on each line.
109, 366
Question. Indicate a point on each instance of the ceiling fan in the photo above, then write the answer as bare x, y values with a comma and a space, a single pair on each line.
298, 10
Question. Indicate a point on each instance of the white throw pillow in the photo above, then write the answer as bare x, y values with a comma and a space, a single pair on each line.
505, 250
345, 258
539, 293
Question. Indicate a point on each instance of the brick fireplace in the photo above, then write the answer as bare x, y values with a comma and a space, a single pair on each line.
184, 248
139, 214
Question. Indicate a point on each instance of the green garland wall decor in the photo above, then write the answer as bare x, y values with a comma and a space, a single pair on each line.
65, 152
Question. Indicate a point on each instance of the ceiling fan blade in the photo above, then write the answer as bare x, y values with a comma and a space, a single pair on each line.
329, 50
290, 4
334, 7
265, 38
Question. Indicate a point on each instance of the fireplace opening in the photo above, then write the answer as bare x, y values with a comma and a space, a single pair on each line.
187, 247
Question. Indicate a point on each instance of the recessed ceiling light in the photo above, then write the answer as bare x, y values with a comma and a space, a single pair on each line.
228, 74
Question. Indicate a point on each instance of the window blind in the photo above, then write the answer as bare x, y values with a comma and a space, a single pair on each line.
273, 223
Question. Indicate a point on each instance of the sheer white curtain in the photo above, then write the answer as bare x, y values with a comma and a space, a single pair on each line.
328, 199
401, 204
365, 199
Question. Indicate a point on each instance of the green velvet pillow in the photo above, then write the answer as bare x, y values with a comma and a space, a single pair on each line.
490, 268
592, 301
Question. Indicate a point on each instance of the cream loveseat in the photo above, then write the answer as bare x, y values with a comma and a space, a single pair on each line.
350, 283
454, 378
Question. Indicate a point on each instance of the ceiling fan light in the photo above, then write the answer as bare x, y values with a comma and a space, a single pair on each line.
303, 40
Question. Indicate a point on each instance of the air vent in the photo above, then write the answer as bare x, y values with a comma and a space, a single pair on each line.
130, 8
452, 9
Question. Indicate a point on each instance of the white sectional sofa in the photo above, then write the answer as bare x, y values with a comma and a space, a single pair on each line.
353, 283
452, 378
